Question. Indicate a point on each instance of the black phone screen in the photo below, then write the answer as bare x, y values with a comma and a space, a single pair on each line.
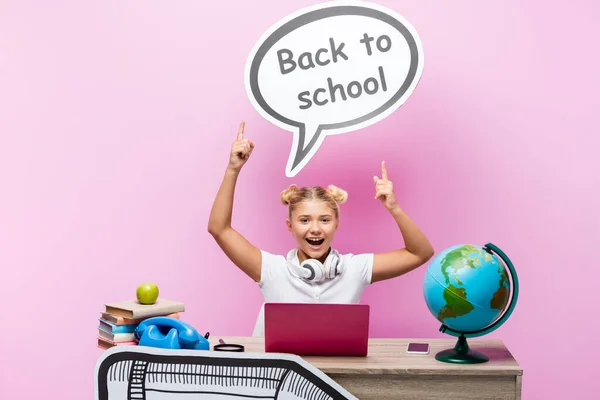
420, 347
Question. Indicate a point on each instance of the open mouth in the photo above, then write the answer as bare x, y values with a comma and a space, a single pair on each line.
315, 242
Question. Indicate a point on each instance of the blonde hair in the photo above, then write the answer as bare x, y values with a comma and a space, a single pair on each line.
333, 196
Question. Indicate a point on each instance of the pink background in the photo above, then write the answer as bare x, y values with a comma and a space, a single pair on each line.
116, 121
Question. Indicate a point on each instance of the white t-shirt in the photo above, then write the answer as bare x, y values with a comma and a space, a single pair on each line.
279, 285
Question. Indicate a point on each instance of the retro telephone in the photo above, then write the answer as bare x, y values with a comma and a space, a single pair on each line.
169, 333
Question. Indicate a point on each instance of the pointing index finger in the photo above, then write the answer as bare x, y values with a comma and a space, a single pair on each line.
383, 171
240, 134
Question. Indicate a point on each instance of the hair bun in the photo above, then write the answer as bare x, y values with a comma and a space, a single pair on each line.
339, 195
287, 194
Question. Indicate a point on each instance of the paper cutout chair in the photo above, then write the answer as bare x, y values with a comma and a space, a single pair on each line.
147, 373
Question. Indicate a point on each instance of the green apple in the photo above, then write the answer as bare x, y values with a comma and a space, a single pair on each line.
147, 293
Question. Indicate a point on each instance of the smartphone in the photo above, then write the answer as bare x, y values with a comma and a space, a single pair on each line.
418, 348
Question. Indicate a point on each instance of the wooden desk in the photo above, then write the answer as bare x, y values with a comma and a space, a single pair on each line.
389, 373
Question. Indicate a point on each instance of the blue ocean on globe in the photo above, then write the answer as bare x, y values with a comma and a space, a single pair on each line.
466, 288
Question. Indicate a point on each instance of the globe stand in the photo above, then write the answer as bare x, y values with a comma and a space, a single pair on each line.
461, 354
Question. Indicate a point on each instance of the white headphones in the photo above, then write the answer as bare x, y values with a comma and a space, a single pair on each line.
312, 270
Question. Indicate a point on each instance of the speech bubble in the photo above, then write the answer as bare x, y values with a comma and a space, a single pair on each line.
332, 68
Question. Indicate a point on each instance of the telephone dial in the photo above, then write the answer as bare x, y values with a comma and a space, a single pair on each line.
169, 333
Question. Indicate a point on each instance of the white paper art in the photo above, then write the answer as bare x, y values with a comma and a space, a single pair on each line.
149, 373
332, 68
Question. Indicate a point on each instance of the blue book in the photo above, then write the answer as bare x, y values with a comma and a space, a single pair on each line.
112, 328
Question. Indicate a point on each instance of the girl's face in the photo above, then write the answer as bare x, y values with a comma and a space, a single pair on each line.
313, 225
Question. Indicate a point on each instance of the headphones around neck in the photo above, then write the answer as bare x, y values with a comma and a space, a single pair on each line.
311, 270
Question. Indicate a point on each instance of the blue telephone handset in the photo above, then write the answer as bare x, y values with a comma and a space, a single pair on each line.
169, 333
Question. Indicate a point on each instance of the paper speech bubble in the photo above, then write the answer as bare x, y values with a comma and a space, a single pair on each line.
332, 68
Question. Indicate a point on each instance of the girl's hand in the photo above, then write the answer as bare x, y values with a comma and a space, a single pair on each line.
241, 150
384, 189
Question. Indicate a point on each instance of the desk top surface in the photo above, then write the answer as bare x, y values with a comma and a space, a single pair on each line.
388, 356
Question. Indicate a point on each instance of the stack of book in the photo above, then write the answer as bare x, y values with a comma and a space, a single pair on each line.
119, 320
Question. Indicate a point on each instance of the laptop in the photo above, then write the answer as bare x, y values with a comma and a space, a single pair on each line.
319, 329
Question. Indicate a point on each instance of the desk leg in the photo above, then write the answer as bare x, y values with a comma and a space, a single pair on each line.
430, 387
518, 388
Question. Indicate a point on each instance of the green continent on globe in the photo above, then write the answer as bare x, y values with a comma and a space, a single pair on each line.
456, 303
467, 256
500, 298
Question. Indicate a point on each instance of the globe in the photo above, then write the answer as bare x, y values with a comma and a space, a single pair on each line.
467, 288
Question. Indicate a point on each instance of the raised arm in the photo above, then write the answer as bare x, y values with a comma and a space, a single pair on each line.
417, 250
239, 250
